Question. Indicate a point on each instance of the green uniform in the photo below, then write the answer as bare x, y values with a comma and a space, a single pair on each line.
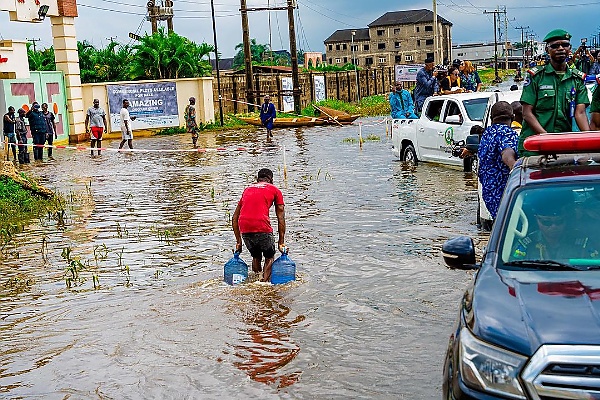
595, 107
550, 95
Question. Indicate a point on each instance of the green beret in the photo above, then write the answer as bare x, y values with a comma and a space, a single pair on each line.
557, 34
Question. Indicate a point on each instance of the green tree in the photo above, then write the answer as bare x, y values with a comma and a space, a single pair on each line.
257, 50
41, 60
169, 56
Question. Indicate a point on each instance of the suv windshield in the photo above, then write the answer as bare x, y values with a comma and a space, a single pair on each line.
475, 108
553, 227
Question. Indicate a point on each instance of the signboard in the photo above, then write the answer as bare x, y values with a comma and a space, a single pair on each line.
288, 101
407, 73
153, 104
320, 94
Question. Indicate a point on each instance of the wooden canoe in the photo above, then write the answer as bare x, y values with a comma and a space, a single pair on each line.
328, 116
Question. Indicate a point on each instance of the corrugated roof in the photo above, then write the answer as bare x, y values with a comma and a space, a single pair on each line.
345, 35
407, 17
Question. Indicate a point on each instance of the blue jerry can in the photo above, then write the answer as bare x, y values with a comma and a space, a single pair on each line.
283, 270
236, 270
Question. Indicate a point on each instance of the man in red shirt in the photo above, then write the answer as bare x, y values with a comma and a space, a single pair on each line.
252, 223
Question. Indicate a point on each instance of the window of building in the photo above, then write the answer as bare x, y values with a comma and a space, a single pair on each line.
365, 47
354, 48
398, 59
429, 55
408, 58
345, 60
397, 45
417, 28
396, 31
381, 46
344, 47
338, 60
382, 60
369, 61
330, 47
429, 42
337, 46
428, 28
330, 61
380, 32
418, 42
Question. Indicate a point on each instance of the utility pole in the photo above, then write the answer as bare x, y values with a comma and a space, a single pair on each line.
505, 39
153, 12
437, 59
495, 12
212, 9
522, 28
34, 41
295, 74
169, 15
112, 39
247, 56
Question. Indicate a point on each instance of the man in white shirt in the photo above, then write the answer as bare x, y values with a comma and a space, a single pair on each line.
126, 132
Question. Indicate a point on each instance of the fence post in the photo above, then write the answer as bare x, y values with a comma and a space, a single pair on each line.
348, 84
312, 87
337, 84
234, 96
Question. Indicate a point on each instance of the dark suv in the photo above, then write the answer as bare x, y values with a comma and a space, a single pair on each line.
529, 323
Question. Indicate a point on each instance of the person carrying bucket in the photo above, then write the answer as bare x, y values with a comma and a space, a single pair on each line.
251, 222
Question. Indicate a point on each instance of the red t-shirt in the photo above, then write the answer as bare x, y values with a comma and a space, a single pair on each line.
255, 203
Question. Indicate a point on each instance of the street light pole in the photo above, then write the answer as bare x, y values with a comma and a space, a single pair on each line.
355, 69
212, 9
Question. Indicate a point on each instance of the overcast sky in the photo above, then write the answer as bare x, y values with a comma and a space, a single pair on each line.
316, 20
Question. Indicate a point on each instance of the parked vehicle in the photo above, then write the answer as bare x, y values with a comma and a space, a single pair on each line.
444, 121
529, 323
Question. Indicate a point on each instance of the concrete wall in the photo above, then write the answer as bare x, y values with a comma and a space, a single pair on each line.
200, 88
17, 65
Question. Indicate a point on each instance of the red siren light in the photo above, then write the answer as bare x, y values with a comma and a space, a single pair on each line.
568, 142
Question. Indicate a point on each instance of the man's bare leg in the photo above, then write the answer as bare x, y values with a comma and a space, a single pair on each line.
267, 269
256, 264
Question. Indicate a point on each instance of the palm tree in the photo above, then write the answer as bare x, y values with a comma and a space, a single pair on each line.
257, 51
41, 60
169, 56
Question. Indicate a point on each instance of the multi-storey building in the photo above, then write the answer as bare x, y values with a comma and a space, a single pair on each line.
397, 37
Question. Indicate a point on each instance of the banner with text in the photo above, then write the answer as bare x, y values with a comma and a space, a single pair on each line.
153, 104
288, 101
320, 94
407, 73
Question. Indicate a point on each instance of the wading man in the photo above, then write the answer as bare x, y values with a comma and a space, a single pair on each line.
95, 125
51, 133
126, 132
267, 115
190, 120
39, 129
553, 94
251, 222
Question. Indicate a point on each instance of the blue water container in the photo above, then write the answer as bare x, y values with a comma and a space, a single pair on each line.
283, 270
236, 270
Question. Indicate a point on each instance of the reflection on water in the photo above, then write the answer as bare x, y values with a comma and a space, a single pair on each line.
266, 347
149, 316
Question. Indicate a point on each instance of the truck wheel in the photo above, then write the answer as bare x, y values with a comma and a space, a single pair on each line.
409, 155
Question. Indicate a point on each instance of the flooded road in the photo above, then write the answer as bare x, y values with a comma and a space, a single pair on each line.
142, 246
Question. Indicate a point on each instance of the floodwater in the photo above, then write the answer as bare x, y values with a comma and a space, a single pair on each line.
148, 316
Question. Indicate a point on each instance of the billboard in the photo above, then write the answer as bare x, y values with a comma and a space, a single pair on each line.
288, 101
319, 88
153, 104
407, 73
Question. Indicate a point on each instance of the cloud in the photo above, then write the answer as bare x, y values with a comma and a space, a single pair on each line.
316, 20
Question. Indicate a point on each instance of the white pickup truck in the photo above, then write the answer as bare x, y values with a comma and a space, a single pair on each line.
445, 120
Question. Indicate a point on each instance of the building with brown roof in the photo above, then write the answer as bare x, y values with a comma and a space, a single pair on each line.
397, 37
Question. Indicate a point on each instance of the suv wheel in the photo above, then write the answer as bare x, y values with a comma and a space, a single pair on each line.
409, 155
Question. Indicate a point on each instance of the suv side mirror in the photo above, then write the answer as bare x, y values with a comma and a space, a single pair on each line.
454, 119
459, 253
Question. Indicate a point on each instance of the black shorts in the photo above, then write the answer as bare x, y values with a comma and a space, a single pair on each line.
259, 244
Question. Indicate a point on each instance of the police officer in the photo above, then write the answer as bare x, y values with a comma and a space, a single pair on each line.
553, 94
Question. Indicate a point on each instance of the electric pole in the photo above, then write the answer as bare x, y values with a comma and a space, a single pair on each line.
112, 39
505, 39
436, 40
34, 41
247, 56
169, 15
295, 77
496, 12
153, 12
212, 9
522, 28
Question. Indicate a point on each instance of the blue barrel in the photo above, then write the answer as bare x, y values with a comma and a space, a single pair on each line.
236, 270
283, 270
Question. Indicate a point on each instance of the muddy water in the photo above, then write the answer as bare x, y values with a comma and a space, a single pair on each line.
368, 317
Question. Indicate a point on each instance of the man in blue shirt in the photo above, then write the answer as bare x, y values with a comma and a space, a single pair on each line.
497, 155
39, 129
267, 115
401, 103
426, 79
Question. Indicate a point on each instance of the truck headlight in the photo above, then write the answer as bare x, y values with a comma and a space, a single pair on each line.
489, 368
